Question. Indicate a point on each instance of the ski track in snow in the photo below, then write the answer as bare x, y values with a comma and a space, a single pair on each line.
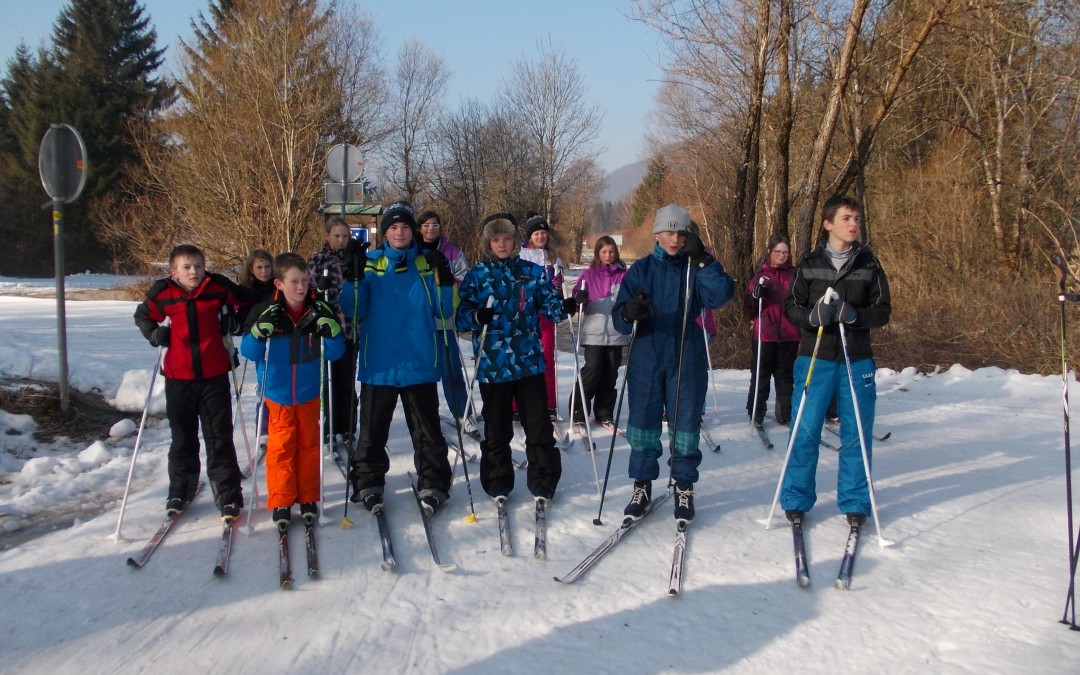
970, 488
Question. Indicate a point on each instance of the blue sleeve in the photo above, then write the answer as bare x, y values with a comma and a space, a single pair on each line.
334, 348
712, 286
465, 319
252, 348
631, 286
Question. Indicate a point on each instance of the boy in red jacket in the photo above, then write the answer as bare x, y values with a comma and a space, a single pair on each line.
200, 308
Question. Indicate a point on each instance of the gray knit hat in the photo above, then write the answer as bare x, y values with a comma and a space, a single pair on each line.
499, 223
672, 218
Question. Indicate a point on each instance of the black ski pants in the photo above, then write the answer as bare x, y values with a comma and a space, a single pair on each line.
189, 404
777, 363
598, 378
430, 454
544, 462
343, 373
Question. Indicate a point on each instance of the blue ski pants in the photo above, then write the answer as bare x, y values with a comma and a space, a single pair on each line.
829, 380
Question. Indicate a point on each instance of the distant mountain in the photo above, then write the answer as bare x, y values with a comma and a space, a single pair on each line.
622, 181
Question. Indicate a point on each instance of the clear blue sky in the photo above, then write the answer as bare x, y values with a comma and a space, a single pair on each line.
478, 39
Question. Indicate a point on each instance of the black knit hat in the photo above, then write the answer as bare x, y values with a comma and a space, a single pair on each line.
398, 212
535, 222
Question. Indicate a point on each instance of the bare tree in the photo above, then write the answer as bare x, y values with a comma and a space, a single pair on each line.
547, 99
415, 101
810, 184
584, 180
239, 160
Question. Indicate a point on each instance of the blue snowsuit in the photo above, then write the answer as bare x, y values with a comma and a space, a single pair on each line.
860, 282
653, 371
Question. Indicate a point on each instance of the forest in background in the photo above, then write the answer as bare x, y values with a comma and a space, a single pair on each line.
955, 122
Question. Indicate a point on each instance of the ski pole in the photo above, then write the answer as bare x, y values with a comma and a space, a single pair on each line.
581, 391
882, 541
324, 366
615, 431
708, 360
480, 352
247, 529
1070, 596
453, 402
236, 396
757, 367
238, 387
673, 424
116, 536
829, 293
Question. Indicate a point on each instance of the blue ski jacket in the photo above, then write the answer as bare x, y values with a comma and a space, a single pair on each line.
522, 293
398, 305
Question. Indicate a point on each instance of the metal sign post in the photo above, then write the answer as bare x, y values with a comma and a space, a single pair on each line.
62, 166
345, 164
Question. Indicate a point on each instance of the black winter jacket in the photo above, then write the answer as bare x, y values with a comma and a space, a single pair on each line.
861, 283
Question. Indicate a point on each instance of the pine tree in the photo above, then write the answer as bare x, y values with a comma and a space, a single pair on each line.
106, 54
98, 76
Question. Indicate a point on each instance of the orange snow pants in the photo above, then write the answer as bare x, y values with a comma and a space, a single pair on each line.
293, 464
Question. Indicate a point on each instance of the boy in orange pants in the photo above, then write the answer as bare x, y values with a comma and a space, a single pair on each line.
287, 340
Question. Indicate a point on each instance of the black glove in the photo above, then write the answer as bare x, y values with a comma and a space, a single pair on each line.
322, 320
845, 313
695, 251
581, 297
438, 262
322, 282
636, 308
268, 321
230, 325
823, 313
484, 315
759, 287
570, 306
355, 257
160, 336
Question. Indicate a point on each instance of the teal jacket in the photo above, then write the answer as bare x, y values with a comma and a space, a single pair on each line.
398, 306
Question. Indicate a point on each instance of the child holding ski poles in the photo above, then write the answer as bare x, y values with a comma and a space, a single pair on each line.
538, 249
400, 295
596, 290
667, 373
257, 274
510, 363
841, 282
328, 269
453, 375
288, 338
201, 309
774, 339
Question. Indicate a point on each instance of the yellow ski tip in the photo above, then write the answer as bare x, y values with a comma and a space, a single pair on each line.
471, 518
346, 523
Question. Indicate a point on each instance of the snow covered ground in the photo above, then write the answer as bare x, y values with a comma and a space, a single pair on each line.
970, 487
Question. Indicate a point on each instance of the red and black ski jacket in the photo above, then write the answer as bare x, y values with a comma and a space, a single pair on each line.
196, 346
